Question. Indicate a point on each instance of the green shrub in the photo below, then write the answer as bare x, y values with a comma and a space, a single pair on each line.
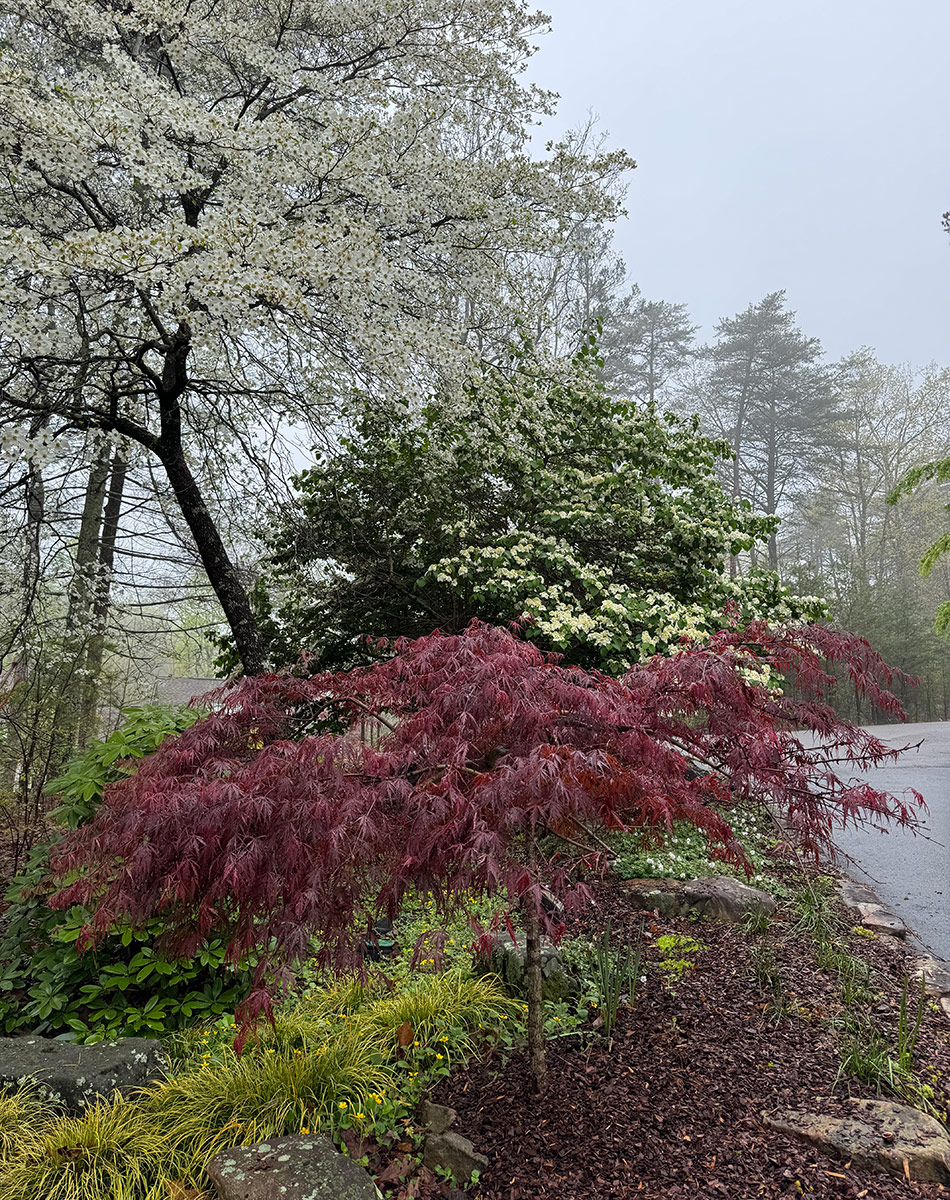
104, 761
123, 987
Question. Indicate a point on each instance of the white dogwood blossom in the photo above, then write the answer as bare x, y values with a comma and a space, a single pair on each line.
240, 210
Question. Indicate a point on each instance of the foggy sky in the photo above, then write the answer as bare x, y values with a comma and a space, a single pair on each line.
779, 145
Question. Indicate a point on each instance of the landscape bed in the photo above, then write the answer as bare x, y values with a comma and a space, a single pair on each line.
729, 1021
674, 1108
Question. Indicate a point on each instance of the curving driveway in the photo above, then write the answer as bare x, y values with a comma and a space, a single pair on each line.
911, 874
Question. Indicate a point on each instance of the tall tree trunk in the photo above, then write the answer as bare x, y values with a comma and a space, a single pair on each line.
100, 614
533, 979
771, 480
80, 612
221, 572
737, 449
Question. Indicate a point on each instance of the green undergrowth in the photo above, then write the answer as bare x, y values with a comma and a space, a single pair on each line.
357, 1055
685, 852
122, 988
885, 1060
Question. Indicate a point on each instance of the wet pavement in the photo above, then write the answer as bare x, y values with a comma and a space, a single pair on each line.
911, 874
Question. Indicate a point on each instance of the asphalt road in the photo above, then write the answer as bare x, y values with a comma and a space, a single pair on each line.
911, 874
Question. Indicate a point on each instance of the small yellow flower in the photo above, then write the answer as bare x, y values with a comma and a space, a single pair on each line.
359, 1117
439, 1057
305, 1131
342, 1104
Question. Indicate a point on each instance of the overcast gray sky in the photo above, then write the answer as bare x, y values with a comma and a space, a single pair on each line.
797, 145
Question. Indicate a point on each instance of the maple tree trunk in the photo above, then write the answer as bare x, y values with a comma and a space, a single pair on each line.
533, 982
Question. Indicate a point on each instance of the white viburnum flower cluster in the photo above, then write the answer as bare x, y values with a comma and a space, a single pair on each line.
626, 624
309, 194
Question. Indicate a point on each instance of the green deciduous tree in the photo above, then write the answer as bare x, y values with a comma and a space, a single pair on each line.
844, 540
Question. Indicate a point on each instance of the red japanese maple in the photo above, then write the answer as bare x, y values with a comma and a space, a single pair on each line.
272, 822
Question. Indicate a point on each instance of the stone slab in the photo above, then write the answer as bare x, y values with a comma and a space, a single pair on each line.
879, 1134
74, 1076
289, 1168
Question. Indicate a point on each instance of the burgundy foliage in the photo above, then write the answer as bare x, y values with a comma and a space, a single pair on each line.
266, 823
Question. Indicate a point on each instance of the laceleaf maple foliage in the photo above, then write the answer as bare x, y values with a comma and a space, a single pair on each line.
271, 821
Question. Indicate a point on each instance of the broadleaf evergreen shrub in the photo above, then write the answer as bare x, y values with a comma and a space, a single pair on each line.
122, 987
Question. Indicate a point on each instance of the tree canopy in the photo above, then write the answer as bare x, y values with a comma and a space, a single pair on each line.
271, 821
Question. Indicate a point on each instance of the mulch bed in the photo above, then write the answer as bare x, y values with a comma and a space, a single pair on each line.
673, 1110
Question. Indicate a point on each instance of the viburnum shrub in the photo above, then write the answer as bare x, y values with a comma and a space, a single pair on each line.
271, 820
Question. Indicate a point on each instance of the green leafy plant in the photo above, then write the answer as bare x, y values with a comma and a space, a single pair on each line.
105, 761
676, 951
123, 987
617, 976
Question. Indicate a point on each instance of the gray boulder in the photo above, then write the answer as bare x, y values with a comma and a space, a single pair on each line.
664, 903
453, 1153
436, 1118
935, 974
74, 1077
723, 898
507, 960
719, 897
880, 1135
289, 1168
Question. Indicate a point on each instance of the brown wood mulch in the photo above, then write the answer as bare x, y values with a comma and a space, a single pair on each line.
673, 1110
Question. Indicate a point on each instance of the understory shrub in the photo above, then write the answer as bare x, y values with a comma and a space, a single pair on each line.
685, 852
124, 986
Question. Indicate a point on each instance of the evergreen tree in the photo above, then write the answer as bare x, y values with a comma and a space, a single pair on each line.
766, 390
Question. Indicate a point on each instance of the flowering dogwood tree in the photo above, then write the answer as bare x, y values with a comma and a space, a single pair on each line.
270, 823
235, 212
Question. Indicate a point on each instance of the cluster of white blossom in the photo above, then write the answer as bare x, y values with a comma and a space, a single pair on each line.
630, 623
299, 185
19, 445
